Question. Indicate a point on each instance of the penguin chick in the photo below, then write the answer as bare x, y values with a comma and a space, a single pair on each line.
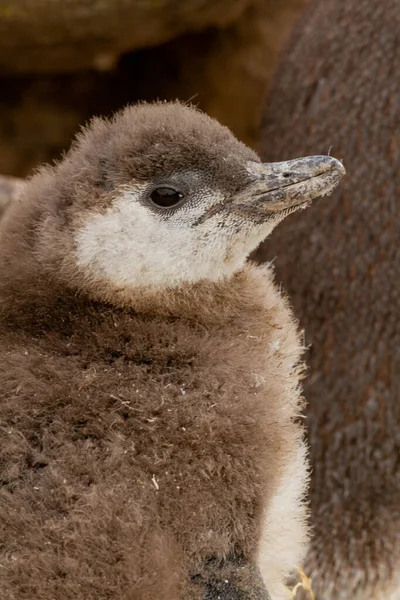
149, 377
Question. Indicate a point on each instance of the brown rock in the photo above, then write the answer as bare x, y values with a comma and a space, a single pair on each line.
10, 188
70, 35
224, 71
339, 86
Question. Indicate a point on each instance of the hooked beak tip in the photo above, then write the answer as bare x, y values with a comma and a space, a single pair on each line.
330, 164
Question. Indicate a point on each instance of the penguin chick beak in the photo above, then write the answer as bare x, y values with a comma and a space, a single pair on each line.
285, 186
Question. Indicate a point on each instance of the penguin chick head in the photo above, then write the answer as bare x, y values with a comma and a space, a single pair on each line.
162, 195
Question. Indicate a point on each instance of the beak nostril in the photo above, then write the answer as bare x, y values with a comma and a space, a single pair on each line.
286, 174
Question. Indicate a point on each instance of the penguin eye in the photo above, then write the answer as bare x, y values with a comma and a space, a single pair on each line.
164, 197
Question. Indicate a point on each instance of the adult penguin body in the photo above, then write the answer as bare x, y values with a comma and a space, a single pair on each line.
338, 86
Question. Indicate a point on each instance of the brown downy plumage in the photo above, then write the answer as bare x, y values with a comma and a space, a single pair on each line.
149, 378
339, 85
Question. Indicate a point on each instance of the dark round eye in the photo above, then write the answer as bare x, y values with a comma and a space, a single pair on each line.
166, 197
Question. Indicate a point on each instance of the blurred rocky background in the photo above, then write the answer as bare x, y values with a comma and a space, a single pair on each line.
62, 61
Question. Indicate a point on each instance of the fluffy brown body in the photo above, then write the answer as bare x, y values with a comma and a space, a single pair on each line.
142, 438
339, 84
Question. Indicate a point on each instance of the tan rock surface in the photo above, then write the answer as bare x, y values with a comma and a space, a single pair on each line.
10, 188
70, 35
224, 71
